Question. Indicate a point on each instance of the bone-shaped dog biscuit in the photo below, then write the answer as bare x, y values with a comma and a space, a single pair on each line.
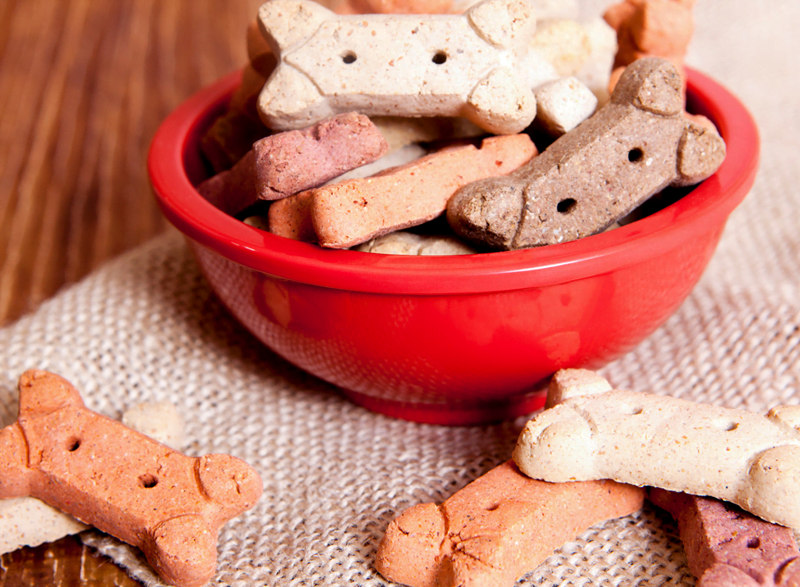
477, 65
120, 481
595, 432
495, 529
632, 148
726, 546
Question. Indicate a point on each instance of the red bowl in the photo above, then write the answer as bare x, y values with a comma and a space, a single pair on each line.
462, 339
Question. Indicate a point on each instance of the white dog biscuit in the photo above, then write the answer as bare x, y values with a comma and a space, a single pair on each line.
477, 65
595, 432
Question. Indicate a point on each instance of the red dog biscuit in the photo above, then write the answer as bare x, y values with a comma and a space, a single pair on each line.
496, 529
726, 546
120, 481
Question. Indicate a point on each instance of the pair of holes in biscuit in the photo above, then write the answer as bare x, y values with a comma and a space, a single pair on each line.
439, 57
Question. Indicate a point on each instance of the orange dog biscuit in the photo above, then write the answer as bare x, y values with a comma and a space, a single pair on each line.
120, 481
496, 529
352, 212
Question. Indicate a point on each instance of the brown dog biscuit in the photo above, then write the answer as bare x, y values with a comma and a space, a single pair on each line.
352, 212
727, 546
120, 481
635, 146
290, 162
496, 529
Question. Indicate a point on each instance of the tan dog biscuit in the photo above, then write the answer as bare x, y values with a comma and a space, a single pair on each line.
408, 243
352, 212
594, 432
496, 529
477, 65
120, 481
635, 146
726, 546
290, 162
27, 521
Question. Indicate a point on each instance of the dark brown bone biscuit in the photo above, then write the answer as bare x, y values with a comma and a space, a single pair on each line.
120, 481
634, 147
726, 546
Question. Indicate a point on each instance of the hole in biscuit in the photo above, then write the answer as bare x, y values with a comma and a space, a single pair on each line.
753, 543
148, 481
635, 155
349, 57
440, 57
566, 205
74, 444
493, 507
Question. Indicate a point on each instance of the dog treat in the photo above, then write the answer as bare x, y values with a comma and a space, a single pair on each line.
650, 28
726, 546
290, 162
496, 529
408, 243
291, 217
595, 72
286, 163
564, 103
400, 132
158, 420
120, 481
635, 146
564, 43
230, 138
477, 65
27, 521
352, 212
232, 190
594, 432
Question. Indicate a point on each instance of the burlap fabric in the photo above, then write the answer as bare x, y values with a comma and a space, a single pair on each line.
147, 327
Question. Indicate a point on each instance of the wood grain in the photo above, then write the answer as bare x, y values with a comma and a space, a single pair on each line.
83, 86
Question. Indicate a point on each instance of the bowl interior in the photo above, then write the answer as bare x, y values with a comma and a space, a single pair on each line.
175, 166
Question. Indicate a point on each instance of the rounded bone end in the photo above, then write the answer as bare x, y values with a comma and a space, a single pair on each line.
701, 151
487, 212
772, 486
501, 103
183, 551
410, 552
651, 84
569, 383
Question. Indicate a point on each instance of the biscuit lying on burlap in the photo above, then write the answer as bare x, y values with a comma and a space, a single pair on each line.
727, 547
496, 529
635, 146
120, 481
592, 431
27, 521
351, 212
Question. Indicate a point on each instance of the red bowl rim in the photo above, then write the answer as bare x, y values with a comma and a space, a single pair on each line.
704, 208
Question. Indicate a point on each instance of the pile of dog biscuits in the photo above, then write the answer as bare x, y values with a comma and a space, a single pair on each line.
378, 123
730, 478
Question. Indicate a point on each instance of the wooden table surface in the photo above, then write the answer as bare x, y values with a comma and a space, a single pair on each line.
83, 86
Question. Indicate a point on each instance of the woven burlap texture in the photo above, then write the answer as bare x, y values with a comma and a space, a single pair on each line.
147, 327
